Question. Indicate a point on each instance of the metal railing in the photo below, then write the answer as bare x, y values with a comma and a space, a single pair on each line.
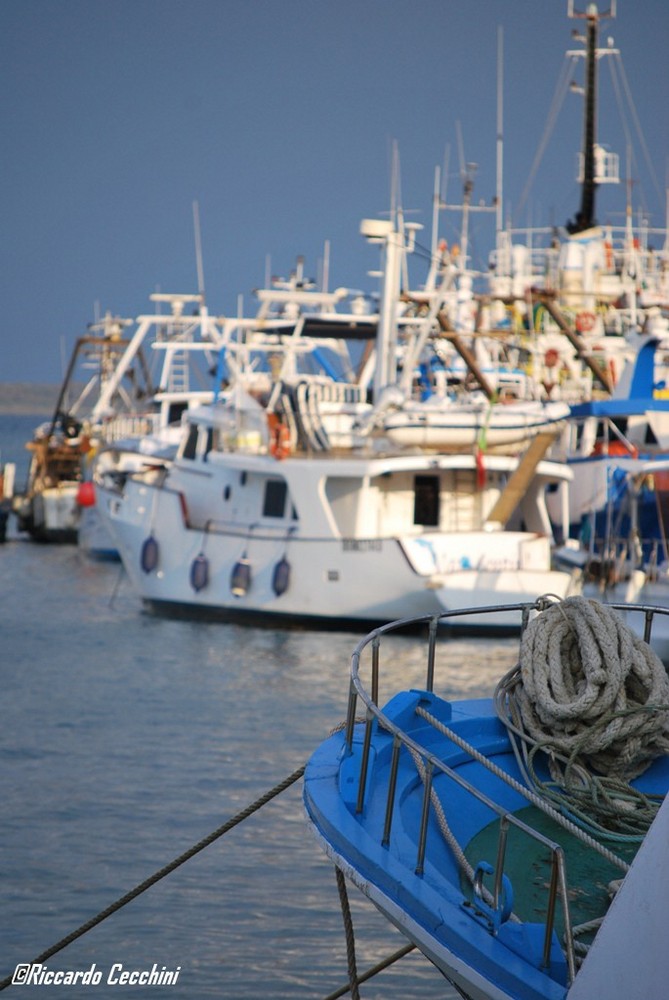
558, 883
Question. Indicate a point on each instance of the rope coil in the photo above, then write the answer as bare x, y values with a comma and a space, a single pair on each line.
594, 697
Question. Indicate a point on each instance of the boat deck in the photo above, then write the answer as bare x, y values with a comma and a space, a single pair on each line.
426, 808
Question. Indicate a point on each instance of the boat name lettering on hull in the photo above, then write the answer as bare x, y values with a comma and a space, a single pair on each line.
362, 545
483, 566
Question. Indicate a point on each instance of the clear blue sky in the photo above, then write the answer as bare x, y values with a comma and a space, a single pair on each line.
278, 117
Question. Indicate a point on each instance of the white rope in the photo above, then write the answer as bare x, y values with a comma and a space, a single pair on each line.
592, 699
590, 684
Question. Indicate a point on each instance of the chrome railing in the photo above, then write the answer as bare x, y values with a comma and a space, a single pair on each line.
558, 883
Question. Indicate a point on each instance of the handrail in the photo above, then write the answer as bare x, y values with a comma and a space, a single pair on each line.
557, 889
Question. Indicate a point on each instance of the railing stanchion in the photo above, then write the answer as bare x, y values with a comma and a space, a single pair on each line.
392, 785
422, 839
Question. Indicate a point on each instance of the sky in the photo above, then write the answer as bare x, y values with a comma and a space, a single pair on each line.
279, 120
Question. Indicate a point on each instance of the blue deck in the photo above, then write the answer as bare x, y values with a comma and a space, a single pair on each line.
435, 906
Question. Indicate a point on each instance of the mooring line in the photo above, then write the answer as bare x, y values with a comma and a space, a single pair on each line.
373, 971
166, 870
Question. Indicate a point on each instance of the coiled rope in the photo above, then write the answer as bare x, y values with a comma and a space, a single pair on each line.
594, 698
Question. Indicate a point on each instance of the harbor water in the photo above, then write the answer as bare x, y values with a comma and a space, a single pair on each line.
127, 738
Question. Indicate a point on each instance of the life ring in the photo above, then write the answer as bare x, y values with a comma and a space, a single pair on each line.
585, 322
279, 437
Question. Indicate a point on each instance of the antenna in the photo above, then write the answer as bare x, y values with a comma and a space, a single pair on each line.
500, 127
436, 205
395, 189
326, 265
198, 249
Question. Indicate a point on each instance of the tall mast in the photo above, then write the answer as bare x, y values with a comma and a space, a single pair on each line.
500, 135
585, 218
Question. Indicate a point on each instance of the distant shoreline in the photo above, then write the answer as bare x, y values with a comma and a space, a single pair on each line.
28, 398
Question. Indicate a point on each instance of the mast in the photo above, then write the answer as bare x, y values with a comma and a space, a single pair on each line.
500, 137
585, 218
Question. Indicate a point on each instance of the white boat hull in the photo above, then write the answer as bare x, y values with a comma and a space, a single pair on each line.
331, 580
51, 515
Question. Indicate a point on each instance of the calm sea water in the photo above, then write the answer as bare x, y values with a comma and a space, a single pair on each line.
126, 739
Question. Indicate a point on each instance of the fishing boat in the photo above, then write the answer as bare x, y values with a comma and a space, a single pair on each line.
516, 840
7, 479
593, 283
179, 349
602, 436
245, 523
46, 509
120, 385
287, 501
625, 550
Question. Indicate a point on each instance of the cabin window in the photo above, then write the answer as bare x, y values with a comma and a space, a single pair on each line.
426, 501
175, 412
276, 492
190, 446
210, 441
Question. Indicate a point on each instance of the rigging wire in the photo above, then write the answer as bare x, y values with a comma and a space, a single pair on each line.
558, 98
635, 118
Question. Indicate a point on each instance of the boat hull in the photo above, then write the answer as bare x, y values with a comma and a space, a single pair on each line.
429, 906
476, 947
327, 581
52, 515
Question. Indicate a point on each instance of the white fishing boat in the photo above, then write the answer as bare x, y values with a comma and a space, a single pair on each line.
287, 500
120, 386
179, 351
243, 525
580, 290
7, 480
518, 840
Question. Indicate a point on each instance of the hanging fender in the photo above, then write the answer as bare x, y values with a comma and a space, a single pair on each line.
281, 577
240, 578
199, 572
149, 556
